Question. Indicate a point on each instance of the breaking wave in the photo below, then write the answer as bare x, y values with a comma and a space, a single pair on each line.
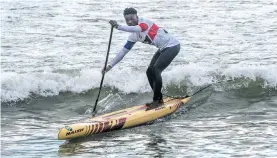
17, 87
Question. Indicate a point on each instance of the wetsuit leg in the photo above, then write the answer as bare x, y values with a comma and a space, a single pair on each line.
165, 58
149, 72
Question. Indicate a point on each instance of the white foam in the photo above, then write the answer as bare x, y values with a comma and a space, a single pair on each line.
266, 72
17, 86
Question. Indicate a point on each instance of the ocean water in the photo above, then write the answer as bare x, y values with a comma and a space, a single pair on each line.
52, 53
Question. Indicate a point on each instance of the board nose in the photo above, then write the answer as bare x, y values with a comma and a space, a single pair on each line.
72, 131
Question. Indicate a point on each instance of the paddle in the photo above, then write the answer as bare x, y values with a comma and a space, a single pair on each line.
103, 75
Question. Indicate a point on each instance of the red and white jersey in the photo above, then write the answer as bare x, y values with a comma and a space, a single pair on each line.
147, 32
153, 34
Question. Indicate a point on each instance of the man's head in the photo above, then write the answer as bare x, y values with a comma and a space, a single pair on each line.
130, 15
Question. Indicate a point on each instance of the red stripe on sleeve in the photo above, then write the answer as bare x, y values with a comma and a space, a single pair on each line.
143, 26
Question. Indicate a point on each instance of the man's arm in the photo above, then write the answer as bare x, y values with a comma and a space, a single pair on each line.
138, 28
127, 47
119, 56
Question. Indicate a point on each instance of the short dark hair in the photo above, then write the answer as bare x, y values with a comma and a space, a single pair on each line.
129, 11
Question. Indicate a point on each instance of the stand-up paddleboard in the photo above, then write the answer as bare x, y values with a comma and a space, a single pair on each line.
121, 119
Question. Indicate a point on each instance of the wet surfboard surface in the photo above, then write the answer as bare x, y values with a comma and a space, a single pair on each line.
121, 119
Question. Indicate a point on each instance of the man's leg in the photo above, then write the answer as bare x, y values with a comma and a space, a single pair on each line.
165, 58
149, 72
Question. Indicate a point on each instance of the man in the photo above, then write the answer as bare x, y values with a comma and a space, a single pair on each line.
146, 31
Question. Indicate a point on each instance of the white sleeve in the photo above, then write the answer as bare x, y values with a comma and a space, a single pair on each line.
129, 28
119, 56
133, 37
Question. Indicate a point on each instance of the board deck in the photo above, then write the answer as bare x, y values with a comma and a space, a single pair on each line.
121, 119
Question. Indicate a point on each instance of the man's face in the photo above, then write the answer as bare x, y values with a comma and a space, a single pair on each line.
131, 19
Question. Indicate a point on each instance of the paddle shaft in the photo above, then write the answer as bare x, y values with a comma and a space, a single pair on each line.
103, 75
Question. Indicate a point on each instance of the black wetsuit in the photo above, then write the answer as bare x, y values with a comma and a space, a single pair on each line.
159, 62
